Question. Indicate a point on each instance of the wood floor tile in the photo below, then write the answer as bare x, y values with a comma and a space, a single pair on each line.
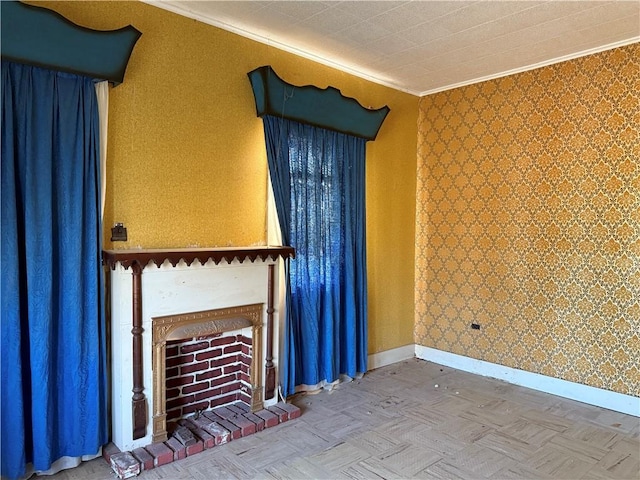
408, 459
445, 470
623, 460
551, 461
528, 432
339, 457
374, 443
394, 424
437, 441
369, 469
583, 451
481, 461
512, 447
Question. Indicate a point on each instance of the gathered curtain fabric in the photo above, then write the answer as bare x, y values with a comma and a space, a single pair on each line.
318, 179
53, 333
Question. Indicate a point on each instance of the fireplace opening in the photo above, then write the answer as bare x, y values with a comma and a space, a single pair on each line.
203, 360
207, 372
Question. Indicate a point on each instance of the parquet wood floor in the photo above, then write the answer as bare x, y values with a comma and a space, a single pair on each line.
395, 423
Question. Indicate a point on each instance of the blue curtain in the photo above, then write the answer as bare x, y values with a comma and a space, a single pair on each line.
318, 179
53, 336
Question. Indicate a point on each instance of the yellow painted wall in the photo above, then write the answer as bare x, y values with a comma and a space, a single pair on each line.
187, 162
528, 221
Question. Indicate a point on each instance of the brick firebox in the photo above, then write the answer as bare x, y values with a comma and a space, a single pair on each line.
207, 372
201, 324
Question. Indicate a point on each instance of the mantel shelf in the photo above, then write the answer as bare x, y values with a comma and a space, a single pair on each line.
142, 258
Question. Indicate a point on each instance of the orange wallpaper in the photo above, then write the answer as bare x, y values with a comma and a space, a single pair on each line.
528, 221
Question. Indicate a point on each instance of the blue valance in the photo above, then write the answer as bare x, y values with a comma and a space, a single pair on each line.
44, 38
325, 108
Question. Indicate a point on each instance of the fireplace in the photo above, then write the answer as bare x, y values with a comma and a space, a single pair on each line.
197, 324
157, 296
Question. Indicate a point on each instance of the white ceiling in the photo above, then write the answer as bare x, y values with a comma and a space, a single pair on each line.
426, 46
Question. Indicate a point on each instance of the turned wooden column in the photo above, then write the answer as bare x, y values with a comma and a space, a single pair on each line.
138, 401
270, 380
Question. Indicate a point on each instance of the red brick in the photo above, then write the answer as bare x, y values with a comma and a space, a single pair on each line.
246, 340
171, 372
283, 415
232, 368
234, 430
203, 437
220, 362
214, 392
246, 349
232, 349
195, 367
220, 435
209, 354
237, 409
177, 402
194, 347
172, 393
232, 387
217, 402
125, 465
195, 448
292, 410
223, 380
270, 419
196, 387
144, 457
209, 374
194, 407
244, 360
242, 406
176, 382
224, 412
175, 361
247, 427
108, 450
216, 342
179, 450
171, 351
183, 434
243, 397
259, 422
161, 453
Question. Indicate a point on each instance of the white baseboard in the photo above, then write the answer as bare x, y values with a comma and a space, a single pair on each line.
381, 359
575, 391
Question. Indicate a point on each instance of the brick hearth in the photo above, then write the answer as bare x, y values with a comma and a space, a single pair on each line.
204, 431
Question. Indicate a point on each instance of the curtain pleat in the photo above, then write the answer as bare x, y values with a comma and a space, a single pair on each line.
53, 334
318, 179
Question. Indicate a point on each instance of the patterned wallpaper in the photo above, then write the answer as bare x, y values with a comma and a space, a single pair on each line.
528, 221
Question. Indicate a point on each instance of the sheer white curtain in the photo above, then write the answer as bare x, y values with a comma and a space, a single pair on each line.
102, 92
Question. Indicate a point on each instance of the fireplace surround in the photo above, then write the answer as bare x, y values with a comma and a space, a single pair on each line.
170, 294
197, 324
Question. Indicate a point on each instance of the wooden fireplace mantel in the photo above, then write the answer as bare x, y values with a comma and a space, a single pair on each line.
158, 256
139, 259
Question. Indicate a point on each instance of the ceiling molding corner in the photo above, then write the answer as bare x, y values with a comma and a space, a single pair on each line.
534, 66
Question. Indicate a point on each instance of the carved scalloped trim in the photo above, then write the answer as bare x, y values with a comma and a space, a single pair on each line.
127, 258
